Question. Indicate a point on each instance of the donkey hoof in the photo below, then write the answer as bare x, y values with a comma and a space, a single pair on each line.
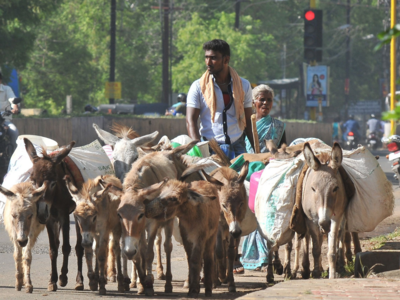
149, 292
316, 274
294, 275
305, 274
168, 289
79, 287
223, 280
102, 291
208, 294
28, 288
140, 289
232, 289
112, 278
18, 287
63, 280
93, 286
193, 295
279, 269
121, 288
160, 276
186, 284
52, 287
133, 285
270, 278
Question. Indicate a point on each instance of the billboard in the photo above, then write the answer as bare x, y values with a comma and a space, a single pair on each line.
317, 86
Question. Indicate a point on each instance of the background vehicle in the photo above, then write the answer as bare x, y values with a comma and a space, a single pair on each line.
6, 147
352, 141
373, 141
394, 156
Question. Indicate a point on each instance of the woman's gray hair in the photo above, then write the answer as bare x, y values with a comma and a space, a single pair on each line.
262, 88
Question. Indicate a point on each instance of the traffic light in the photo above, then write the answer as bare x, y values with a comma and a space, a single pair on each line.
313, 35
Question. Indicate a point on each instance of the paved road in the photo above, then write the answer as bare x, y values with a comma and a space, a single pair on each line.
249, 282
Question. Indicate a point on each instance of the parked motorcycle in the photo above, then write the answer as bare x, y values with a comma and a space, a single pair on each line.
394, 156
352, 141
6, 147
373, 141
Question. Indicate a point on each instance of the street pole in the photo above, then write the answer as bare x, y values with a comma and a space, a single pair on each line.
393, 65
165, 54
237, 16
347, 63
112, 44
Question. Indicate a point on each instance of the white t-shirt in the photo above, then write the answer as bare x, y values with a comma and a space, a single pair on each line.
215, 130
6, 98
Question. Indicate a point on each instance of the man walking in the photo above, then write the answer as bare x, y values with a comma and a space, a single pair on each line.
222, 100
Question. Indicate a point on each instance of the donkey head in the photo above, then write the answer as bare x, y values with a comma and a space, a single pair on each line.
22, 200
324, 197
232, 196
125, 149
164, 198
45, 168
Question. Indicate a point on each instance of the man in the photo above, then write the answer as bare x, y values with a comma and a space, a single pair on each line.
222, 100
374, 125
350, 125
6, 98
179, 107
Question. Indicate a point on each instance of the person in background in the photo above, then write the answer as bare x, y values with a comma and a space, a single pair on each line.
351, 125
222, 101
374, 125
6, 98
179, 107
254, 247
336, 129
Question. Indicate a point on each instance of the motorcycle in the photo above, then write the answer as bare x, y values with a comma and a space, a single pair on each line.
394, 156
373, 141
6, 147
352, 141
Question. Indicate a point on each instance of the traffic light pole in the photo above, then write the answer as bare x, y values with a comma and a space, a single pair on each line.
393, 66
347, 66
112, 44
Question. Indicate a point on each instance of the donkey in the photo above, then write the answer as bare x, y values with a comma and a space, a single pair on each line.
150, 169
125, 149
196, 205
96, 215
55, 208
324, 203
23, 227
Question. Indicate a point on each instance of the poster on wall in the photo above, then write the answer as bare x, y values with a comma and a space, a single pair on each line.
317, 86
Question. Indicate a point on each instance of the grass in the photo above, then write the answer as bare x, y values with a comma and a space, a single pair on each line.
379, 241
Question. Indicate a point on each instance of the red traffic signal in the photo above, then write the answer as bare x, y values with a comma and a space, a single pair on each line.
309, 15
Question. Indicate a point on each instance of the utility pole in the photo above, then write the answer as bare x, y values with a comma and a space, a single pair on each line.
112, 44
237, 11
165, 54
393, 65
347, 66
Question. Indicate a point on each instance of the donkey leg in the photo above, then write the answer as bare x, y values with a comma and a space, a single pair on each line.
270, 269
231, 257
168, 249
221, 257
332, 245
160, 270
27, 261
117, 251
79, 255
305, 272
296, 256
195, 268
66, 250
340, 246
134, 277
316, 237
101, 257
347, 243
209, 266
277, 263
356, 242
288, 251
152, 232
54, 241
146, 281
18, 266
111, 271
93, 284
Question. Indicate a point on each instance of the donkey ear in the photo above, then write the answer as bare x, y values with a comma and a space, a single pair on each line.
115, 192
141, 152
100, 193
243, 173
212, 180
70, 186
153, 191
271, 146
38, 193
139, 141
195, 198
63, 153
178, 151
30, 149
10, 195
106, 137
311, 160
337, 156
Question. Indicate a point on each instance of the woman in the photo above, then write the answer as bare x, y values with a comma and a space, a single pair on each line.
315, 86
254, 248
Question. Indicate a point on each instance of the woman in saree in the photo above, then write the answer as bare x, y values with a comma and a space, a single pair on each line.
254, 248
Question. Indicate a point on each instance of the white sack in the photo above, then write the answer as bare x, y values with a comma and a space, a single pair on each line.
276, 196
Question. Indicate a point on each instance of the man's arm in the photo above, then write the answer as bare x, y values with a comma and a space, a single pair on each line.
249, 130
192, 115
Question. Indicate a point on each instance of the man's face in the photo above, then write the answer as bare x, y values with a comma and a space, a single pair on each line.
215, 62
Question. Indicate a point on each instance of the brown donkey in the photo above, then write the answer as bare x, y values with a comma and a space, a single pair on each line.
96, 215
196, 205
23, 227
54, 209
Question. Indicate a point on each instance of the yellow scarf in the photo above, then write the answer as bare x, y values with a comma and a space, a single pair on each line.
207, 89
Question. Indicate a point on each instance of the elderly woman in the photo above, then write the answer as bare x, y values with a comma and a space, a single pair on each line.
254, 248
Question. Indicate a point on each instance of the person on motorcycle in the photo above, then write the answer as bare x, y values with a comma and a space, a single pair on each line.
179, 107
351, 125
374, 125
6, 98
